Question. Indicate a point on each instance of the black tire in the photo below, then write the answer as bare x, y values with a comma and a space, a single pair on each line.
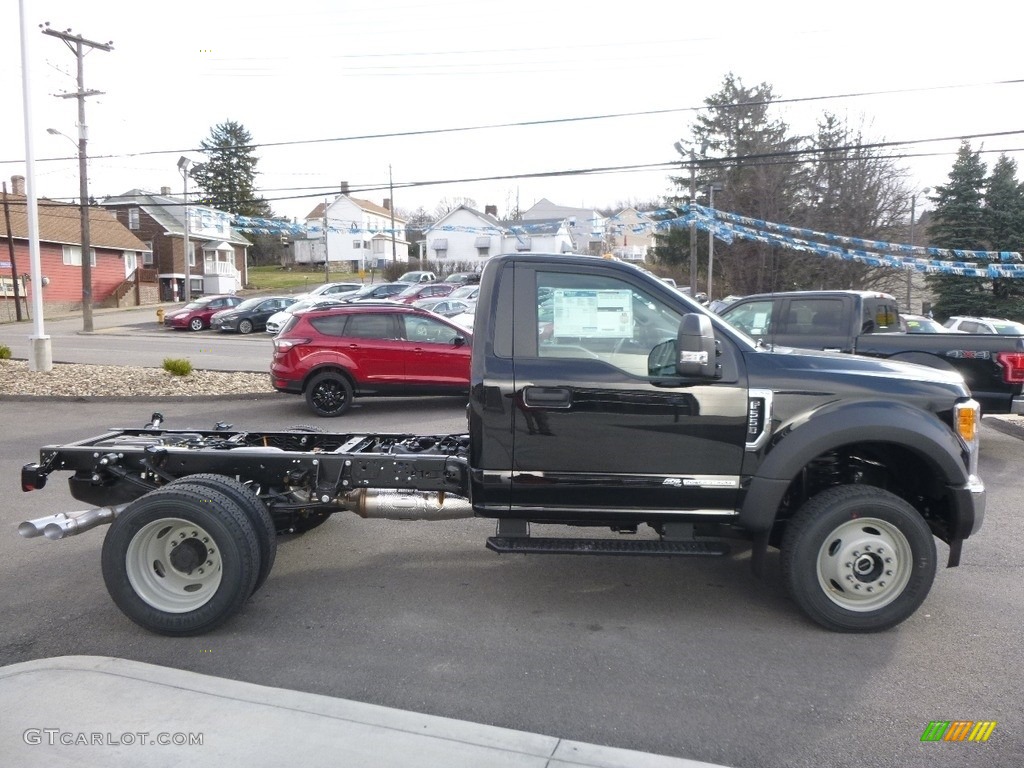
856, 558
255, 510
329, 394
195, 324
245, 326
167, 587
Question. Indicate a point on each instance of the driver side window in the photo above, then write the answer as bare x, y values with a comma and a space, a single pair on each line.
602, 318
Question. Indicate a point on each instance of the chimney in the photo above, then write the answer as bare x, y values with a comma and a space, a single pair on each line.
165, 191
491, 210
387, 203
18, 185
343, 187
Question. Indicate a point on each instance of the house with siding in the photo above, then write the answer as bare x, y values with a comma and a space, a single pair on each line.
217, 257
353, 232
115, 256
467, 238
630, 235
586, 226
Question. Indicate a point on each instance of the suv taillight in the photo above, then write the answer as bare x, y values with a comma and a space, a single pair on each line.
283, 345
1012, 364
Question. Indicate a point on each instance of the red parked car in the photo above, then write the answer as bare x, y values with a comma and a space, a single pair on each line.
333, 354
420, 291
196, 314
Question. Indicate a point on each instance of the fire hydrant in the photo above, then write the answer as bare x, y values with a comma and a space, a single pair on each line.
160, 315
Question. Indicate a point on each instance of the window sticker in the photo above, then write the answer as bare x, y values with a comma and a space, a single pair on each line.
593, 314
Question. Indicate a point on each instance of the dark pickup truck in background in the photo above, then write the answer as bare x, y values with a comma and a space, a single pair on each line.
868, 323
600, 398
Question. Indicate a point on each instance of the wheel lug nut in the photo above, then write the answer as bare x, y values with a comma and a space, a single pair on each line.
888, 560
888, 573
856, 553
856, 586
848, 565
871, 589
201, 571
881, 584
867, 548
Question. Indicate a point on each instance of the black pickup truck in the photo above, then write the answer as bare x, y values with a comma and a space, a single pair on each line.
609, 414
868, 323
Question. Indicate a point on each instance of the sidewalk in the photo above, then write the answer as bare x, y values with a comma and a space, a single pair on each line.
93, 710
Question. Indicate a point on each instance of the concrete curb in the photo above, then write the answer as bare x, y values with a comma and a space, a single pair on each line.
94, 710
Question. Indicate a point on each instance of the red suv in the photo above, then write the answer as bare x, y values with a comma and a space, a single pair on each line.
332, 354
419, 291
196, 314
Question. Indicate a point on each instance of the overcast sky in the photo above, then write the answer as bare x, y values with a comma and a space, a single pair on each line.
336, 69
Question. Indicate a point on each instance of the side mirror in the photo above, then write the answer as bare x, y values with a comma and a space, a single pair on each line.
696, 348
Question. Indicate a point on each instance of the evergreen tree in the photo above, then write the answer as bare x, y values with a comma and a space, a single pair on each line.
960, 222
844, 187
1004, 213
228, 178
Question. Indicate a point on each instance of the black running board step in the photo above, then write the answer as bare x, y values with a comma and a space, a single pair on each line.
540, 546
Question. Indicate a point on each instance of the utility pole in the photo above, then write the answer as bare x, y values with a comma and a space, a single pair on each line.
391, 207
14, 264
327, 256
77, 45
693, 225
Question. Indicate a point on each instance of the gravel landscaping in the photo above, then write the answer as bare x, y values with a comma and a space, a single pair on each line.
66, 380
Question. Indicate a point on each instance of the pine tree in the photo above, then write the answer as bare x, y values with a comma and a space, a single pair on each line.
1004, 214
228, 178
959, 222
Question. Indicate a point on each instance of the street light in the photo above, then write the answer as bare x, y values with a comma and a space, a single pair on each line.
910, 273
183, 164
83, 191
712, 188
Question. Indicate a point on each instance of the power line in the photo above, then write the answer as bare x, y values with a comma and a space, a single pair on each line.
549, 121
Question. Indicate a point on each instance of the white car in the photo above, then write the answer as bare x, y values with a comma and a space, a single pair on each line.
331, 289
985, 325
277, 320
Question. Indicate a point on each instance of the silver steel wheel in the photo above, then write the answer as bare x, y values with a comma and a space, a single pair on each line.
174, 565
864, 564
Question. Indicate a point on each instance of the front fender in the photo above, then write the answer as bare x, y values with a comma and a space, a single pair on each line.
798, 442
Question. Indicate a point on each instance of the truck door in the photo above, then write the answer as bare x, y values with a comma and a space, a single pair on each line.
593, 430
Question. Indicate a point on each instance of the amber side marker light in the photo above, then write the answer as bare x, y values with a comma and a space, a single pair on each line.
967, 423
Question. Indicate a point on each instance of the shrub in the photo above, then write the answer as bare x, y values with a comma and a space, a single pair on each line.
177, 366
5, 352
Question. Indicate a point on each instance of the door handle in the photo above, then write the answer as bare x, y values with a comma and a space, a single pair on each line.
547, 397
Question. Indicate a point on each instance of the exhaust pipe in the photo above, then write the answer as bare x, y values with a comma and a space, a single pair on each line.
62, 525
409, 505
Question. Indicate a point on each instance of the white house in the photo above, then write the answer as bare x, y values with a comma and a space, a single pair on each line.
467, 237
355, 231
586, 226
463, 236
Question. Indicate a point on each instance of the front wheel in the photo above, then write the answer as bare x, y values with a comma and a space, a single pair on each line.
857, 558
181, 560
196, 324
329, 394
245, 326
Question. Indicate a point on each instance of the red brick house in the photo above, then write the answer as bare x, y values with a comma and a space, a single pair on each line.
117, 255
217, 252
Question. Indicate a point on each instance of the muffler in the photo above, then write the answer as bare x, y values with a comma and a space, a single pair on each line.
407, 505
62, 525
